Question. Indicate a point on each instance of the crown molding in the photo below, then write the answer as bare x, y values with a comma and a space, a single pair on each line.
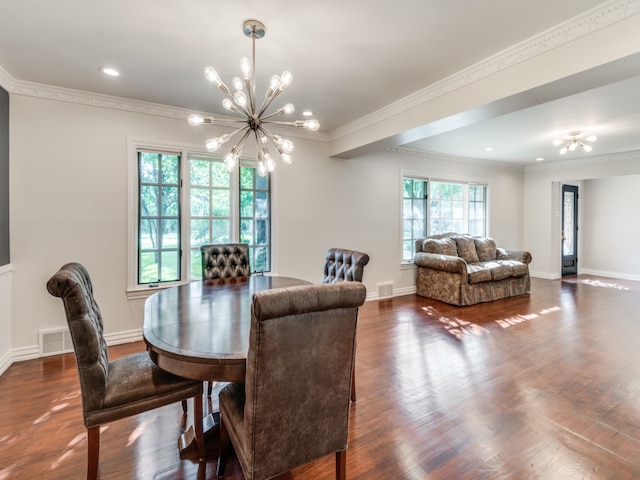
579, 162
584, 24
48, 92
456, 159
6, 81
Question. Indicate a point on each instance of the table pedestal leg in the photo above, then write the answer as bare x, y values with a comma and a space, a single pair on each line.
211, 428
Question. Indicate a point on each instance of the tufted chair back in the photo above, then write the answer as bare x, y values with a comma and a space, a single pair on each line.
294, 404
225, 260
73, 285
113, 390
344, 265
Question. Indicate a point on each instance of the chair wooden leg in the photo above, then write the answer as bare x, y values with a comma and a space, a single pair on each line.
198, 418
341, 465
225, 448
93, 452
353, 383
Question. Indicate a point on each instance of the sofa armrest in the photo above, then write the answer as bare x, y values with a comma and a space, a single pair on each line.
448, 263
519, 255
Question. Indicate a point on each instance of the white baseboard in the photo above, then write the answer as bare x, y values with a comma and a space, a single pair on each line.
25, 353
371, 296
123, 337
5, 362
545, 275
604, 273
29, 353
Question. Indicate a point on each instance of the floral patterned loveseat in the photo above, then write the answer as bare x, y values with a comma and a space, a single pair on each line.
463, 270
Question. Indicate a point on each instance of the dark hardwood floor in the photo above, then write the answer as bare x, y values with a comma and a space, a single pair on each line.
542, 386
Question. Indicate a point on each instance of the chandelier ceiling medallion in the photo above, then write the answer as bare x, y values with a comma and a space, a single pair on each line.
254, 119
575, 140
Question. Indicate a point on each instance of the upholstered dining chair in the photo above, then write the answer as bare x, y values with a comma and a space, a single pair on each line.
112, 390
293, 407
343, 265
225, 260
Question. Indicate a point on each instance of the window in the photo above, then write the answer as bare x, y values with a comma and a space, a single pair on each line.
430, 207
158, 217
183, 201
414, 214
255, 218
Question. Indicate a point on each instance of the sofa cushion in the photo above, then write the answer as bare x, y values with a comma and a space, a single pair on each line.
498, 270
466, 248
519, 269
442, 246
478, 274
485, 248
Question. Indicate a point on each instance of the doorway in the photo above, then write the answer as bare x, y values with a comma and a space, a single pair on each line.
569, 230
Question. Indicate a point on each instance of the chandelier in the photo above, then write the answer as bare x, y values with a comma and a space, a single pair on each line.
574, 142
254, 119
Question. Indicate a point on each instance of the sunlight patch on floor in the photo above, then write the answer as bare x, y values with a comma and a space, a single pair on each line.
517, 319
460, 328
456, 326
598, 283
5, 472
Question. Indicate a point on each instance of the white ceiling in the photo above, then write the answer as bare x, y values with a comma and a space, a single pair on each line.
348, 59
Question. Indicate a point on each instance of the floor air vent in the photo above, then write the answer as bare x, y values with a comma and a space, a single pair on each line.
55, 341
385, 290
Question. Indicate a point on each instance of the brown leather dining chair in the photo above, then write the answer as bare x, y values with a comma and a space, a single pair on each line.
112, 390
224, 260
343, 265
293, 407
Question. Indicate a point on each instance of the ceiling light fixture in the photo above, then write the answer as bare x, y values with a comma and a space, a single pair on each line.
112, 72
574, 141
244, 103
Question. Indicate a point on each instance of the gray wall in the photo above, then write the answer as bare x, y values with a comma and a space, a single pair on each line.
4, 177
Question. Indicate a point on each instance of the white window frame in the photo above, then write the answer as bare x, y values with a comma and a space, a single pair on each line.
418, 175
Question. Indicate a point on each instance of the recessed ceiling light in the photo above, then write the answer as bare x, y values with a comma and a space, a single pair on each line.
307, 113
489, 149
112, 72
539, 159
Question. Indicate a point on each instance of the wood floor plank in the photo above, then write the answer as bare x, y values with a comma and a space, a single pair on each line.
541, 386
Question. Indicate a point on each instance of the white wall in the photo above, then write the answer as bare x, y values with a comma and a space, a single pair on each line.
542, 214
68, 203
5, 317
610, 226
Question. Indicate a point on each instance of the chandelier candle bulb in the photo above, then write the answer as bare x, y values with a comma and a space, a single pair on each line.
243, 102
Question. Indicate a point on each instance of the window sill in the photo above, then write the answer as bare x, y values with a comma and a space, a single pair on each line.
137, 293
407, 266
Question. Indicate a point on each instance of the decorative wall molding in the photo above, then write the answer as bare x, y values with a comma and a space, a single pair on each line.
6, 81
456, 159
584, 24
5, 362
605, 273
580, 162
48, 92
30, 353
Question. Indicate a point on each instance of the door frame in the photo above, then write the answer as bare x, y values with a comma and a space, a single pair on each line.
566, 268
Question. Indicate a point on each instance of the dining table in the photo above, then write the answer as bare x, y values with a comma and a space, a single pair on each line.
200, 330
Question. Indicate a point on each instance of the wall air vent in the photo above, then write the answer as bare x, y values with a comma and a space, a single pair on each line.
54, 341
385, 290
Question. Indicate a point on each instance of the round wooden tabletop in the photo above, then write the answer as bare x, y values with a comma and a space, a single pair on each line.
200, 330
